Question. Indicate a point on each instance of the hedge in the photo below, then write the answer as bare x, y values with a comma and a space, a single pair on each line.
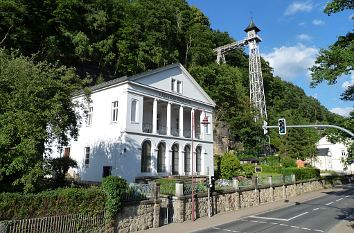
302, 173
271, 169
49, 203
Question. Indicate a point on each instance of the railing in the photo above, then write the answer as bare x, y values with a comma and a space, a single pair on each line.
147, 128
175, 131
199, 187
137, 192
288, 179
162, 130
277, 180
245, 182
224, 185
66, 223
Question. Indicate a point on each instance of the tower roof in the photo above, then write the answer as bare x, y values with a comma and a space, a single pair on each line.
252, 26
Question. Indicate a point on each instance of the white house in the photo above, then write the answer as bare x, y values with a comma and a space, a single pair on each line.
330, 157
145, 125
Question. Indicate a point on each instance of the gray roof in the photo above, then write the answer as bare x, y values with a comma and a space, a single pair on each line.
252, 26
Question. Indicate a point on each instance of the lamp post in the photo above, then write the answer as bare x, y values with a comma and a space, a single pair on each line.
204, 122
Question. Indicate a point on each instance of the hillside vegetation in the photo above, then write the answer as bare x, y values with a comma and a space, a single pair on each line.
103, 40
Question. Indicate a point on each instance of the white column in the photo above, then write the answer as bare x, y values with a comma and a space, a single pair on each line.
181, 121
168, 118
192, 123
154, 117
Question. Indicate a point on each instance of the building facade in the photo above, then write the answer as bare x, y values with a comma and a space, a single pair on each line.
146, 125
331, 157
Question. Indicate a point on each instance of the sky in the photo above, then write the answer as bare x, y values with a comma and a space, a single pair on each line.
293, 32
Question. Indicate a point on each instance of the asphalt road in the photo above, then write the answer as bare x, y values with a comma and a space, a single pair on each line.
317, 215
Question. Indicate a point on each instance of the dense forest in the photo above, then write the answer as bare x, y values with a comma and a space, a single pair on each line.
102, 40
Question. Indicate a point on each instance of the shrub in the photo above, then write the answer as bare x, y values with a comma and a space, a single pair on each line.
114, 187
167, 186
271, 169
59, 167
230, 166
61, 201
248, 169
286, 161
302, 173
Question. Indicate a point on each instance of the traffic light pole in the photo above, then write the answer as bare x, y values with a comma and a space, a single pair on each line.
265, 127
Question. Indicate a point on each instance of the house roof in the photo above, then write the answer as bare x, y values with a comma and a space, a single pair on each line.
252, 26
147, 73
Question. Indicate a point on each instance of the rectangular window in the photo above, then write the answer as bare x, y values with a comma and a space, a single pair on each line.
66, 152
115, 111
87, 156
89, 116
343, 153
206, 127
179, 86
173, 83
134, 111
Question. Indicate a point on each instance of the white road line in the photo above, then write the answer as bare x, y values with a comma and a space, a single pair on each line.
277, 219
274, 223
318, 230
339, 199
297, 216
316, 209
347, 196
330, 203
254, 221
304, 228
262, 222
295, 227
285, 225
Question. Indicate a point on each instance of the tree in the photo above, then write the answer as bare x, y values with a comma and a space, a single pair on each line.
338, 58
35, 110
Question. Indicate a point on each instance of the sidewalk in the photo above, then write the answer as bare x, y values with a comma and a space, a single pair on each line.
205, 222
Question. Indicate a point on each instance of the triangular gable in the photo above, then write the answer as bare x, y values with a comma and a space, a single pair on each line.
161, 78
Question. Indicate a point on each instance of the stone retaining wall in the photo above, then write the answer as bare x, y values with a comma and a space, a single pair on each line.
231, 201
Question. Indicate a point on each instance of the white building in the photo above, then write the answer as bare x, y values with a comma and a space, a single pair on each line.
141, 126
330, 157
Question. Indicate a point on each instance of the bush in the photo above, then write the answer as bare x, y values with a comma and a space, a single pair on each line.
286, 161
59, 167
302, 173
271, 169
230, 166
114, 187
248, 169
50, 203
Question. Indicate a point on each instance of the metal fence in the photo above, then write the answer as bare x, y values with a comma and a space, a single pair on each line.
199, 187
74, 223
224, 185
138, 192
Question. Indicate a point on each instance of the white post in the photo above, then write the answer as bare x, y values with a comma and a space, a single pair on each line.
154, 117
168, 118
181, 121
192, 122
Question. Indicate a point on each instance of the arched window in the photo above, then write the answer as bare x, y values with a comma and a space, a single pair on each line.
175, 159
146, 157
187, 158
198, 161
161, 167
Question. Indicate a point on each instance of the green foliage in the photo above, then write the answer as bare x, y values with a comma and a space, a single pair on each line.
338, 58
167, 186
230, 166
60, 166
287, 161
114, 188
35, 109
302, 173
248, 169
271, 169
51, 203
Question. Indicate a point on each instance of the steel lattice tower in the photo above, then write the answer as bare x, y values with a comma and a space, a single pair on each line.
257, 97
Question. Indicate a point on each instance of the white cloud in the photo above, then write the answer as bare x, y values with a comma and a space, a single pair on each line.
346, 84
342, 111
298, 7
318, 22
302, 24
291, 62
304, 37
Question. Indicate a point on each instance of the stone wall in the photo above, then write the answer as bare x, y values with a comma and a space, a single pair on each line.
234, 200
137, 216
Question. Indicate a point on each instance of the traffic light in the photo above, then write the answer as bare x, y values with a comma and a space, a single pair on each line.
282, 126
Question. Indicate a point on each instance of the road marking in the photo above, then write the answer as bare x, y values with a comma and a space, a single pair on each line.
274, 223
277, 219
339, 199
347, 196
285, 225
329, 203
295, 227
217, 228
304, 228
254, 221
318, 230
297, 216
316, 209
262, 222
